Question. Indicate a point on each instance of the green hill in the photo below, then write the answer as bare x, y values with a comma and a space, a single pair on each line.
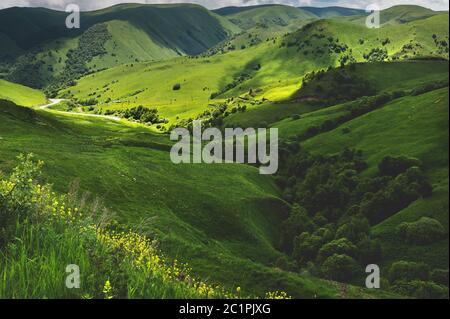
330, 12
362, 116
404, 14
20, 94
267, 16
226, 226
273, 70
412, 126
116, 35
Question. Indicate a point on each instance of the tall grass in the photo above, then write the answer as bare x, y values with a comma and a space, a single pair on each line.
42, 233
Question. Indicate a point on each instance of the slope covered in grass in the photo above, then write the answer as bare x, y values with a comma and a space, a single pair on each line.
221, 219
329, 12
325, 88
20, 94
273, 70
57, 231
107, 37
266, 16
415, 126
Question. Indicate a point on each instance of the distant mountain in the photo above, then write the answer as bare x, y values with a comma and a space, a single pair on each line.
405, 13
265, 16
40, 47
329, 12
163, 24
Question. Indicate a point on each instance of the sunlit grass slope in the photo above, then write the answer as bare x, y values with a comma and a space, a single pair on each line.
382, 77
20, 94
283, 63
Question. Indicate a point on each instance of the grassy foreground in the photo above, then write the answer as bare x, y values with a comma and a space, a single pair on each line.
43, 233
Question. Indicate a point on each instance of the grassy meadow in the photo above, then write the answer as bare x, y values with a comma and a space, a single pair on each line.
362, 116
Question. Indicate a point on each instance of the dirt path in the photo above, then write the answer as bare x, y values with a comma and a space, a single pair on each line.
57, 101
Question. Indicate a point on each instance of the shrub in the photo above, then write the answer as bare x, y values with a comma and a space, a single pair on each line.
408, 271
440, 276
306, 247
346, 130
421, 289
177, 87
394, 166
356, 229
284, 263
340, 268
297, 223
339, 246
424, 231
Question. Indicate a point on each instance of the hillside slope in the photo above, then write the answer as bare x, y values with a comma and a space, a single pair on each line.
108, 37
20, 94
272, 70
266, 16
329, 12
416, 127
226, 226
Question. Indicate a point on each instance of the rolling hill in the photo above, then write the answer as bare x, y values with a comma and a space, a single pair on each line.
330, 12
225, 227
20, 94
272, 70
116, 35
362, 116
265, 16
412, 126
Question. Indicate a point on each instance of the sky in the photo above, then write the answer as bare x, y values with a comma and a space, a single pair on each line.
213, 4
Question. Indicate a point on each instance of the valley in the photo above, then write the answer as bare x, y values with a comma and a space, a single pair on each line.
362, 116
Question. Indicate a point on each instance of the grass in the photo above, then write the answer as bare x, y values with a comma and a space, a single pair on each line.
383, 77
43, 233
412, 126
282, 68
20, 94
224, 220
225, 226
274, 17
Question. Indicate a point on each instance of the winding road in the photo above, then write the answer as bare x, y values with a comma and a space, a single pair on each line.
57, 101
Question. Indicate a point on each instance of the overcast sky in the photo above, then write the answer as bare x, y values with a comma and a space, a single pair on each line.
96, 4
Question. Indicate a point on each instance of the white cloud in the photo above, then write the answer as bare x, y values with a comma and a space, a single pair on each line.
90, 4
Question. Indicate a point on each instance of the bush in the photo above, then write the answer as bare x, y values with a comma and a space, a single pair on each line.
424, 231
339, 246
440, 276
177, 87
306, 247
394, 166
297, 223
340, 268
421, 289
408, 271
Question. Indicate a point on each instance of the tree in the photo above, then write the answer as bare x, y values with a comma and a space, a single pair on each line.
341, 246
440, 276
297, 223
306, 247
340, 268
408, 271
423, 231
393, 166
